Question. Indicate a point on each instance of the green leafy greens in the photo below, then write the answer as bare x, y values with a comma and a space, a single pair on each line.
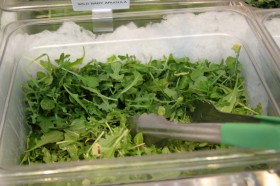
80, 113
264, 3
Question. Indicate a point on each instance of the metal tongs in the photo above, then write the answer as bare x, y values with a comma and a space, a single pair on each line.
212, 126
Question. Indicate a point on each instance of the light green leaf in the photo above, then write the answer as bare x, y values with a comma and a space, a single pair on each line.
50, 137
196, 74
161, 111
230, 98
47, 156
78, 61
90, 81
236, 48
138, 138
170, 93
97, 92
73, 151
116, 67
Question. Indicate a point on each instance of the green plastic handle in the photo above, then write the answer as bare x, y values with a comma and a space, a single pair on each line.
257, 135
268, 119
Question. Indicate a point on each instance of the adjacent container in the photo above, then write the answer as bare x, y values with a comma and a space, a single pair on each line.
30, 9
207, 30
38, 9
270, 21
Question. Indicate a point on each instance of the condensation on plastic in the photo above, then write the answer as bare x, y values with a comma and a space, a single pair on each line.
258, 68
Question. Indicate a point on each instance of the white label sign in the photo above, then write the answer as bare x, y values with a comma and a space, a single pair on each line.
82, 5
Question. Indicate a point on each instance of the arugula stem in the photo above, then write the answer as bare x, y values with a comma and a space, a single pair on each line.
98, 93
75, 97
137, 146
165, 63
125, 132
181, 74
247, 108
109, 127
96, 140
216, 79
139, 106
136, 79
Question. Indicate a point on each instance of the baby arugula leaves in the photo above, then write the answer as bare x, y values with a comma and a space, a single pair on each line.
80, 113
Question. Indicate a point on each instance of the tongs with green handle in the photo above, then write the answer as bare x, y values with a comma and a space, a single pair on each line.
236, 130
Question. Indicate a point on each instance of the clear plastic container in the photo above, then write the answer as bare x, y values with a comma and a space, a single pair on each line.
30, 9
42, 9
271, 21
198, 32
23, 5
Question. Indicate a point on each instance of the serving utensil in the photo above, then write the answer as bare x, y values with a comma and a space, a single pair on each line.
212, 126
